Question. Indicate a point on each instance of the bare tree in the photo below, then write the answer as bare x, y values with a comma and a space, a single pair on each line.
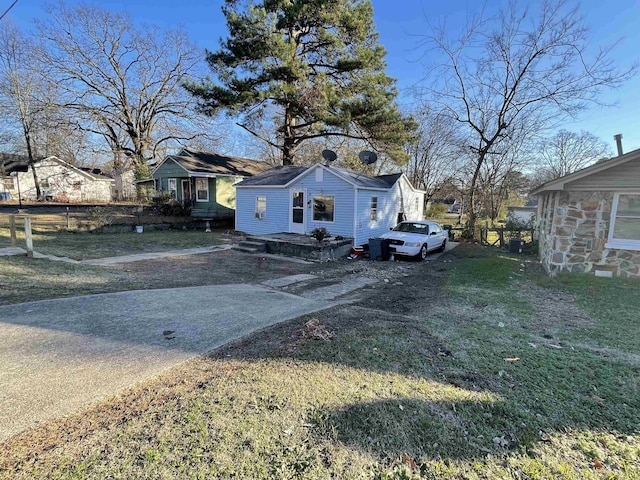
120, 82
519, 69
566, 152
434, 155
20, 87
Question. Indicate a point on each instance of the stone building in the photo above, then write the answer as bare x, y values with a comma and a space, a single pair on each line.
589, 221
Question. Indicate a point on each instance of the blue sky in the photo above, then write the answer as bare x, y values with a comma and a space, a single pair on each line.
401, 24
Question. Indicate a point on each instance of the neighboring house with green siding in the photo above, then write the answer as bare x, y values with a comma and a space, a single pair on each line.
205, 181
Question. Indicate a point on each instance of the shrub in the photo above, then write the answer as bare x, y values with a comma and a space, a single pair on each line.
319, 233
100, 216
166, 206
437, 210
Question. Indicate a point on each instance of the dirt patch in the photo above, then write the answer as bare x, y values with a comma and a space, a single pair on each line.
226, 267
555, 309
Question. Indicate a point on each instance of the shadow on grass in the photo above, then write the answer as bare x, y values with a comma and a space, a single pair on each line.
547, 390
406, 389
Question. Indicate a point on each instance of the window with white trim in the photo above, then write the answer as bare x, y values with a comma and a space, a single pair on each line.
261, 208
374, 209
8, 183
202, 189
323, 207
172, 187
624, 230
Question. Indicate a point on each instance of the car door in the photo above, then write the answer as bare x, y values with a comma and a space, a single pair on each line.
435, 237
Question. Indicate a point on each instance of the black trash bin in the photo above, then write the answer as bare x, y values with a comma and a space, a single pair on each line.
386, 249
516, 245
379, 249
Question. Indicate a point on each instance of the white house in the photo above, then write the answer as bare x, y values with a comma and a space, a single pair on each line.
60, 181
298, 199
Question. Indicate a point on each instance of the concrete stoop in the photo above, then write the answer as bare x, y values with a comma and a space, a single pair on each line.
328, 250
251, 245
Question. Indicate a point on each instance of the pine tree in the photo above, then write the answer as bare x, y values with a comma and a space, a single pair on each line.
307, 69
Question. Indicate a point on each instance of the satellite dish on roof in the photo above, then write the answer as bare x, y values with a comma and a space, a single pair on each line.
368, 157
329, 155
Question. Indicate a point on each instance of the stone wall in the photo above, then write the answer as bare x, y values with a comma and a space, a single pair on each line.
573, 231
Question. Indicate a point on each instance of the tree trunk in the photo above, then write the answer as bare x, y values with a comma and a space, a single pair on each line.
472, 216
36, 182
288, 144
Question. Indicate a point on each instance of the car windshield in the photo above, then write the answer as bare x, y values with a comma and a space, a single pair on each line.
412, 228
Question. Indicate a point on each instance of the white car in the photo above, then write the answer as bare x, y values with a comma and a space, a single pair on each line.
416, 239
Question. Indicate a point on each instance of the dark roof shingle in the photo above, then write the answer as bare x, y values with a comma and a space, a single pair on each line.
11, 162
277, 176
280, 176
203, 162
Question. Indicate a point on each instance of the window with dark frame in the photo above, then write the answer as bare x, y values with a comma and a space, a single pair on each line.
323, 208
8, 183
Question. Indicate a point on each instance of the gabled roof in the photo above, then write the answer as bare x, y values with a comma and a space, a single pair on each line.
278, 176
284, 176
391, 179
10, 162
559, 183
212, 163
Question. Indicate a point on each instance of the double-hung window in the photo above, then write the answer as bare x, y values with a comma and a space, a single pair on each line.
624, 230
8, 183
261, 208
374, 209
172, 186
202, 189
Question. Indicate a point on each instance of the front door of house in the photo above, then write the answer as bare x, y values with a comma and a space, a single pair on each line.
296, 217
186, 192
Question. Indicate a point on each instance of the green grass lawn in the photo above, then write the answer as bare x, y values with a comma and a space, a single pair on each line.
83, 245
493, 371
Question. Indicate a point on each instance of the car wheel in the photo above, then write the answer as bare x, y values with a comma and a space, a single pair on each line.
443, 246
423, 253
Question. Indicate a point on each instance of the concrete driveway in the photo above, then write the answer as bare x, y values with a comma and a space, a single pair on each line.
57, 356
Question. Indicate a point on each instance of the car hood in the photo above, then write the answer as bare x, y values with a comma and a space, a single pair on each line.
405, 236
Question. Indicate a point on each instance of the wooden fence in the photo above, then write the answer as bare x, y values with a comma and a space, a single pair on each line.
500, 236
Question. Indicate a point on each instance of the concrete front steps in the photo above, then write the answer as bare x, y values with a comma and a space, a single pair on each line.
294, 245
251, 245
